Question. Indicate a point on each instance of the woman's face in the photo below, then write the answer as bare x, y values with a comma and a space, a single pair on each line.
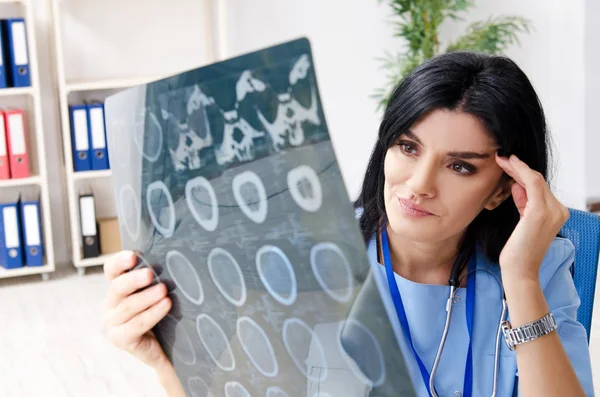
445, 165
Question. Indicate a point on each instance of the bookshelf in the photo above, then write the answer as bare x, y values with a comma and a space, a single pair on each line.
29, 99
70, 15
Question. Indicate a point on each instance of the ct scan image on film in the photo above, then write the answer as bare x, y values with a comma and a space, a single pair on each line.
227, 187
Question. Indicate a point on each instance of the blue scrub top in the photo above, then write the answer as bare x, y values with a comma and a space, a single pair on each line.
426, 314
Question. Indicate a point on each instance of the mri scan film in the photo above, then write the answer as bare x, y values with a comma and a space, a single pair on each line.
227, 187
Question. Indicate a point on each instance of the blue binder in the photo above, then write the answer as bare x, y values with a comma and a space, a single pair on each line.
80, 140
11, 252
3, 59
97, 134
32, 232
15, 43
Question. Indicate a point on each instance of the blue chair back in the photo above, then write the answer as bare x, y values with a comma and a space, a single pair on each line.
583, 229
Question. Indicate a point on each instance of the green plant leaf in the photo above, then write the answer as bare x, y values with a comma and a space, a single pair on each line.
454, 7
492, 36
458, 5
417, 23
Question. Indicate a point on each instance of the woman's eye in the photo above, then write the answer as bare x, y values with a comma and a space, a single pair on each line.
463, 168
407, 148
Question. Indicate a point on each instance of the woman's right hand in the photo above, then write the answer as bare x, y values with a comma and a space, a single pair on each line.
129, 316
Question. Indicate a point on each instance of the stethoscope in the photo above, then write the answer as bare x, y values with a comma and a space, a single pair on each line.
454, 282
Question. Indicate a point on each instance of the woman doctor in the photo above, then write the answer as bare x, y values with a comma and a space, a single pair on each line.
437, 189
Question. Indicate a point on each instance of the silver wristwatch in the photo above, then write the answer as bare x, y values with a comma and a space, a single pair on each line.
528, 332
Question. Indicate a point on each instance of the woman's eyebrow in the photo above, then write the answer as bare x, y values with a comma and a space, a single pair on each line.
469, 155
460, 155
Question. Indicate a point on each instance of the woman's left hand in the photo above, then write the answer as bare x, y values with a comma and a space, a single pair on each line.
542, 217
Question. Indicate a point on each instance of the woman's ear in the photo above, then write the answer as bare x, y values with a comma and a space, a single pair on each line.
503, 191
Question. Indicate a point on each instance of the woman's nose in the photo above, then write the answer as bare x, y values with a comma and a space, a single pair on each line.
422, 180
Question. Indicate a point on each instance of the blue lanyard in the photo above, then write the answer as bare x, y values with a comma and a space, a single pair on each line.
468, 382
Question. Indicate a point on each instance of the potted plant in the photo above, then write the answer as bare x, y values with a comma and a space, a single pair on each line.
418, 23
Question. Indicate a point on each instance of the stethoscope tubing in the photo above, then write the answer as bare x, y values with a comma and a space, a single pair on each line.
442, 343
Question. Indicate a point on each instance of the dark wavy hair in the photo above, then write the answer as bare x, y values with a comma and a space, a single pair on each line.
493, 89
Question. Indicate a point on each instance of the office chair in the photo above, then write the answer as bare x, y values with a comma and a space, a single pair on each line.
583, 229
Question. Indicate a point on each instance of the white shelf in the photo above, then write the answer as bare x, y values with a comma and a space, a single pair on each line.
37, 152
32, 180
16, 91
25, 271
97, 261
107, 84
82, 175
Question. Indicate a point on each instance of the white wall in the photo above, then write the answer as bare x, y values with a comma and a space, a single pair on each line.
592, 98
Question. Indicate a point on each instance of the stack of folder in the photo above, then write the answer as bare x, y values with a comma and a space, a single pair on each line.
14, 67
88, 137
21, 242
14, 159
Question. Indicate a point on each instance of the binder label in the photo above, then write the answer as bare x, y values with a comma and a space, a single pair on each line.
97, 123
2, 134
81, 132
88, 216
32, 225
17, 134
11, 228
20, 43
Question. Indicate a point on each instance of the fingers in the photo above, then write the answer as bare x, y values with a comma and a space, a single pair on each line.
533, 189
126, 334
533, 182
519, 196
135, 304
118, 264
126, 284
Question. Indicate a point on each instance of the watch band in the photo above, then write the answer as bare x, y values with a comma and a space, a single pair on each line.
528, 332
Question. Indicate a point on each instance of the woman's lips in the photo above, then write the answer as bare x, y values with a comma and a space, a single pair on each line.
412, 209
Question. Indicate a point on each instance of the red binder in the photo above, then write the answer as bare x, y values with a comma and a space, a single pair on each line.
14, 122
4, 167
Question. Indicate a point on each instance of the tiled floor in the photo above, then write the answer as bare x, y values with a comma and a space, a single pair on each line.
51, 342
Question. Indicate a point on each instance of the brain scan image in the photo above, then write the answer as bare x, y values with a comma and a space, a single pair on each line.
229, 189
